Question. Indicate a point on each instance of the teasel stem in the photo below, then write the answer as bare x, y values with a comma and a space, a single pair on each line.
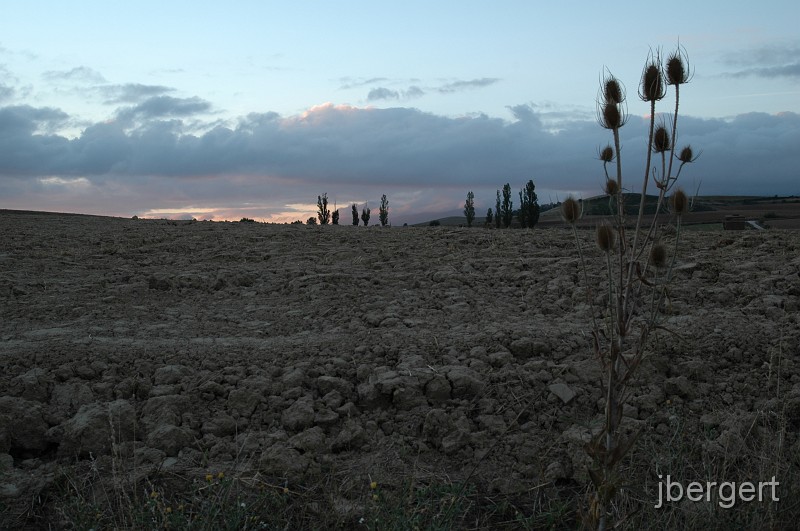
585, 276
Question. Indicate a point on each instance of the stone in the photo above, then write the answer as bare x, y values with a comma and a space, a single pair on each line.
562, 391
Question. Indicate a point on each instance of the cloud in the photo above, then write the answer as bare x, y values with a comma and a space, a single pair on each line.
79, 74
131, 92
6, 92
347, 83
421, 160
774, 61
457, 86
164, 107
382, 93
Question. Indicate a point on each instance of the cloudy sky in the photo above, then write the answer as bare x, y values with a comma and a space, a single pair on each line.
253, 108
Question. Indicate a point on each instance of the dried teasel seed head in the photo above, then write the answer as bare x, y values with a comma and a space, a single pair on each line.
686, 155
652, 86
612, 90
677, 67
612, 187
607, 154
661, 140
605, 237
570, 210
679, 202
611, 117
658, 255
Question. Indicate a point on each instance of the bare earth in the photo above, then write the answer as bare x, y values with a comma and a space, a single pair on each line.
295, 353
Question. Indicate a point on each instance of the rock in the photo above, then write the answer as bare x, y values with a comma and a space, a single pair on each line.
350, 437
244, 400
527, 347
438, 389
221, 425
96, 426
679, 386
165, 410
22, 426
311, 440
326, 384
300, 415
171, 374
562, 391
283, 461
465, 382
35, 385
169, 439
405, 398
67, 398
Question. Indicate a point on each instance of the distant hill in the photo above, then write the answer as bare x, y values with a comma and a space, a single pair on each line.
775, 210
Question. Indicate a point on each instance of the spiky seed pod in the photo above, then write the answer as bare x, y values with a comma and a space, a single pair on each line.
661, 140
679, 202
607, 154
652, 86
611, 117
570, 211
612, 187
612, 90
658, 255
605, 237
677, 67
686, 155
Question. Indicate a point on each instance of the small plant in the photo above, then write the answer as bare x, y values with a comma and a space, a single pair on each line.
365, 215
354, 209
323, 213
638, 267
469, 208
383, 211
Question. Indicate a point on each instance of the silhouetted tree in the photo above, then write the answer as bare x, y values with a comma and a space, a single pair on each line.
311, 221
497, 211
383, 211
355, 214
469, 208
529, 206
507, 208
365, 215
489, 218
323, 213
335, 216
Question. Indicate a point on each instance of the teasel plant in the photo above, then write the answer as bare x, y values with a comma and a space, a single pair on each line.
638, 266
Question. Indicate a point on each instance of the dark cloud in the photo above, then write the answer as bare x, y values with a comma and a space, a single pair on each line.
766, 61
791, 71
457, 86
351, 152
164, 107
413, 92
79, 74
382, 93
131, 92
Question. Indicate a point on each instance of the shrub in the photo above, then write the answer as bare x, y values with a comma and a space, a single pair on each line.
311, 221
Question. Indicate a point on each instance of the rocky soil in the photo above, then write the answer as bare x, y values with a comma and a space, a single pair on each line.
301, 352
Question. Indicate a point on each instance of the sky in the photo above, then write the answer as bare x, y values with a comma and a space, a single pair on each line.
224, 110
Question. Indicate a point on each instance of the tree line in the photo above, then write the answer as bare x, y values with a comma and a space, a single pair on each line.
527, 214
